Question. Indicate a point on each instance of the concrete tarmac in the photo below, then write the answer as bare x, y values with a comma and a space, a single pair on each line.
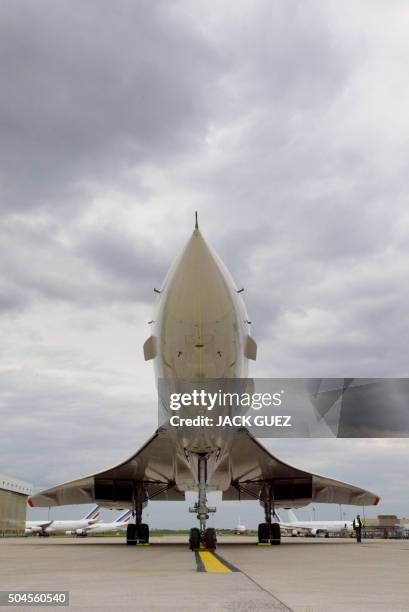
303, 574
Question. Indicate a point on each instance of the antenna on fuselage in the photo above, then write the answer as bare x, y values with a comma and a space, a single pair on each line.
196, 221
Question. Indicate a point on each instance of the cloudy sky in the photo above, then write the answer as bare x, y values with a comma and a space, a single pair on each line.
285, 124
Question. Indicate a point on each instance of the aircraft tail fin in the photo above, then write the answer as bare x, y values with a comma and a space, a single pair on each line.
291, 516
124, 517
93, 514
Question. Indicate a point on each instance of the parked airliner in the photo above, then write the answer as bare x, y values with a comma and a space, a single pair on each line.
314, 528
239, 528
45, 528
118, 524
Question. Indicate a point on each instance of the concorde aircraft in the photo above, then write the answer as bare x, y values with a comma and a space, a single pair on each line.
46, 528
201, 331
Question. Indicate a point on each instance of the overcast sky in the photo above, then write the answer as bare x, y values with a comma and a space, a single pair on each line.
286, 125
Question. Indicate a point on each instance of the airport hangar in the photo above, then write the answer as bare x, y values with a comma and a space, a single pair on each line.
13, 505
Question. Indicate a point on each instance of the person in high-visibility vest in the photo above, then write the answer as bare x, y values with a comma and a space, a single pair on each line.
357, 525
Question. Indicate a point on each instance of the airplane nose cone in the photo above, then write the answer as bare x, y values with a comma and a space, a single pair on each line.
199, 288
200, 319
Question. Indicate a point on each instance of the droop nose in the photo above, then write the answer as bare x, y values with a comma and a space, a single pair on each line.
200, 325
199, 288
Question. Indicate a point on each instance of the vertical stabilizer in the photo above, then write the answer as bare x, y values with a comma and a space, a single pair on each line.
93, 514
291, 516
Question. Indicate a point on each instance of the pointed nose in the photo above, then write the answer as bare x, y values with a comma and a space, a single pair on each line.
199, 288
200, 320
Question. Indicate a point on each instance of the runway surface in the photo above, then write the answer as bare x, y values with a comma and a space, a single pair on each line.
303, 574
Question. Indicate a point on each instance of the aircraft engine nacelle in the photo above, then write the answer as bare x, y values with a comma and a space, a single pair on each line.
80, 532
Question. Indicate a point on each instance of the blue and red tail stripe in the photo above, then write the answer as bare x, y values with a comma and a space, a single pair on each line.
124, 517
93, 514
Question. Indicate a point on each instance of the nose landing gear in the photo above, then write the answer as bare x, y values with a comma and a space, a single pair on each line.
210, 539
194, 538
202, 535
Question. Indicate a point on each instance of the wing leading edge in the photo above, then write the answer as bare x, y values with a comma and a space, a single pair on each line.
255, 469
159, 472
153, 467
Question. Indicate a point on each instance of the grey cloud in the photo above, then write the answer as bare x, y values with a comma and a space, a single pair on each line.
286, 54
46, 421
11, 298
372, 464
100, 267
134, 264
88, 94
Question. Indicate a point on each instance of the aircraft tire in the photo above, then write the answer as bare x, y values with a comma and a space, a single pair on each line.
131, 534
194, 539
275, 534
143, 533
263, 533
210, 538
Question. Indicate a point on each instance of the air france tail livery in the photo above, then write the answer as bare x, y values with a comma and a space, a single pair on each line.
201, 331
45, 528
118, 524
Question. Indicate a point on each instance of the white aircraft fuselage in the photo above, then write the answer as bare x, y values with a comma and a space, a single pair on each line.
49, 527
201, 322
200, 331
317, 527
105, 527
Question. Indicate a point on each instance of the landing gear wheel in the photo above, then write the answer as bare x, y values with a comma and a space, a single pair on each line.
210, 539
142, 533
263, 533
194, 539
275, 534
131, 534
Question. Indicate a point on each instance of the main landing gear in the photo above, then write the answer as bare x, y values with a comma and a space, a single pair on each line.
269, 532
202, 535
138, 532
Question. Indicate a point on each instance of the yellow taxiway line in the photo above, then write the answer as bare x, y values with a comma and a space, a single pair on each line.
212, 564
